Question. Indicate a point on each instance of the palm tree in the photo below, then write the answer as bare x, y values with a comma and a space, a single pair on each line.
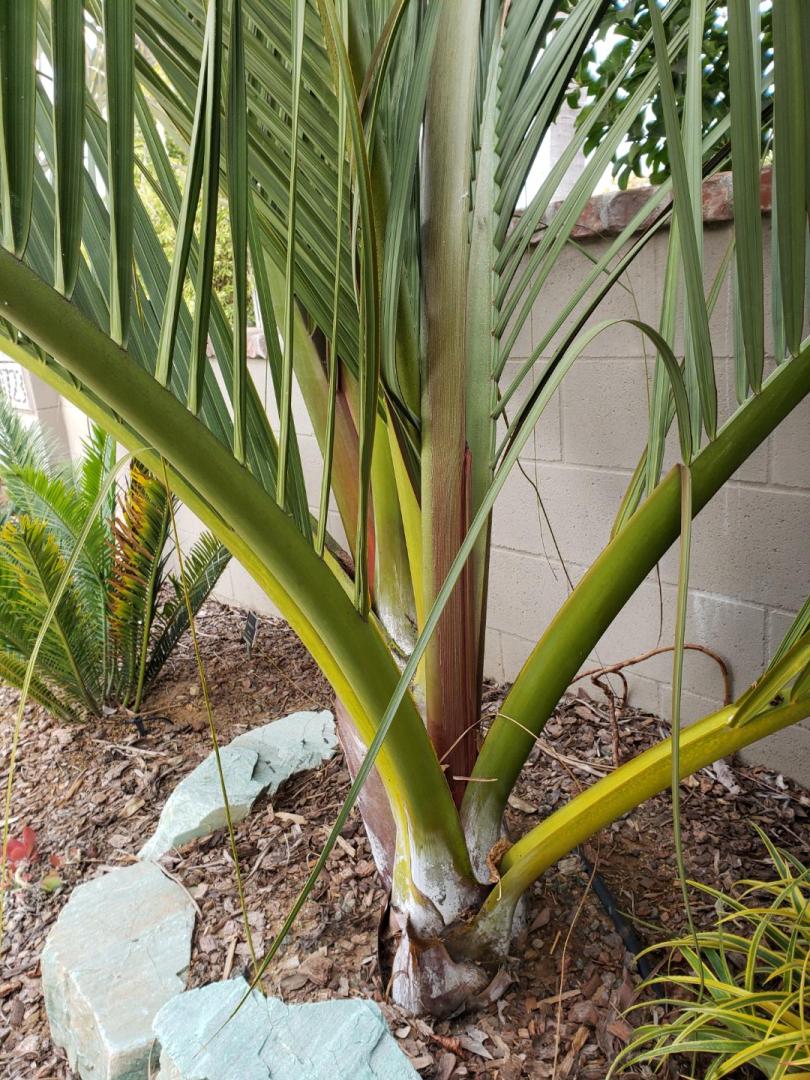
123, 610
373, 155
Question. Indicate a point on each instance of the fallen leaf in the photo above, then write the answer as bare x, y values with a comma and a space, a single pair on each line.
22, 849
447, 1063
29, 1045
424, 1061
726, 777
557, 998
317, 968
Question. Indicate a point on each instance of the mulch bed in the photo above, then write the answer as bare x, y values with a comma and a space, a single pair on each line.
92, 793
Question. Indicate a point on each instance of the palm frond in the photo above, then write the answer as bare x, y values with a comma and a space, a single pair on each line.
54, 500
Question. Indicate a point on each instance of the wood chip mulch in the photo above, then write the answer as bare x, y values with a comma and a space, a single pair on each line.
92, 793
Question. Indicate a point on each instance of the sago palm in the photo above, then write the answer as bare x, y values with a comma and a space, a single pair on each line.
123, 610
373, 154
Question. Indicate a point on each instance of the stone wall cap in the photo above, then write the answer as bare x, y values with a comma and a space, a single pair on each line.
608, 214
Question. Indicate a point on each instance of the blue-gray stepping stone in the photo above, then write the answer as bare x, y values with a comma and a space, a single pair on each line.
201, 1038
119, 950
257, 761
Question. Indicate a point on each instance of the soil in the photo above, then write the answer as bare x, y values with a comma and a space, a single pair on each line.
92, 792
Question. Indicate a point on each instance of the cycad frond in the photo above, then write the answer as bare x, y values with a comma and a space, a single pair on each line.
54, 499
97, 460
138, 556
51, 695
33, 564
203, 567
21, 445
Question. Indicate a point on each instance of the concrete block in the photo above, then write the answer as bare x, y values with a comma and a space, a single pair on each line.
750, 543
786, 752
118, 952
224, 591
734, 630
620, 340
524, 342
635, 630
715, 245
544, 442
517, 520
336, 530
312, 464
790, 449
263, 382
604, 410
247, 594
580, 503
493, 658
525, 593
778, 624
259, 760
516, 651
643, 693
693, 706
202, 1037
755, 468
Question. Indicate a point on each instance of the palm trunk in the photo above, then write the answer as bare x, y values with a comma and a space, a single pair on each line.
451, 664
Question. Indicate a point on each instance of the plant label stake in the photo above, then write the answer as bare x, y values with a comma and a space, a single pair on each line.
250, 631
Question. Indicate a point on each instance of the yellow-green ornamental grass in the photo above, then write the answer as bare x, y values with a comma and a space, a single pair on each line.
744, 999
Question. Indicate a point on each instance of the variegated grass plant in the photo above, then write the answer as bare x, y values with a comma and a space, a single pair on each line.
744, 997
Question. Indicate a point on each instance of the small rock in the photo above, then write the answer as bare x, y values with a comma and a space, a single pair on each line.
257, 761
293, 744
120, 950
201, 1037
196, 807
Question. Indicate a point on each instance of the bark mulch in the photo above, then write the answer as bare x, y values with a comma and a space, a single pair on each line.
93, 792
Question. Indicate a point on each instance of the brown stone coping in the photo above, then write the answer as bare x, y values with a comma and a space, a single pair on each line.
609, 214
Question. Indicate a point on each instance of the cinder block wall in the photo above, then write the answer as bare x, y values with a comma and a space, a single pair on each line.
750, 564
750, 557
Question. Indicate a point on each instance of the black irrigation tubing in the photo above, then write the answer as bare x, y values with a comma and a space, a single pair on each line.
625, 930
